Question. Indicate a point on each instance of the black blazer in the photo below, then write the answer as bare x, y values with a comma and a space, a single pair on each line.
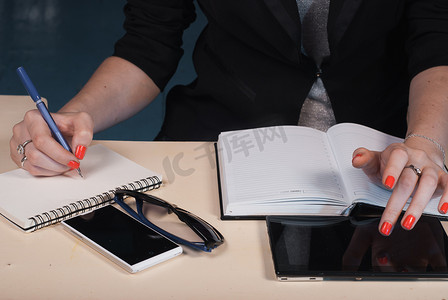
251, 71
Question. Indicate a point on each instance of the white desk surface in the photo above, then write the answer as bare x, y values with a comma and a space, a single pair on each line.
51, 264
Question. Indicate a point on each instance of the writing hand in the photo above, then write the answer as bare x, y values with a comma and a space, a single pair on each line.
44, 155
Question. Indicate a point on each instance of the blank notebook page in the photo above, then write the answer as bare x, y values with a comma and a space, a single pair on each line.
23, 196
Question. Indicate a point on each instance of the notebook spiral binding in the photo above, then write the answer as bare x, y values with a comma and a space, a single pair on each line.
79, 207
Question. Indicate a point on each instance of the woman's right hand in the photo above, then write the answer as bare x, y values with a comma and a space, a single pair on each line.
44, 155
116, 91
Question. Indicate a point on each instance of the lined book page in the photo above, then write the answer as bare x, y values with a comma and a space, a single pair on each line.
23, 196
347, 137
279, 170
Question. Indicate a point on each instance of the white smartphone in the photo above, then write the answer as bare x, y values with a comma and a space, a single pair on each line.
122, 239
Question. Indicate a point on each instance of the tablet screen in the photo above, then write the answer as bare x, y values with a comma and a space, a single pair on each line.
337, 247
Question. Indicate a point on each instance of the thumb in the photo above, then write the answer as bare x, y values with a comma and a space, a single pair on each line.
80, 127
369, 162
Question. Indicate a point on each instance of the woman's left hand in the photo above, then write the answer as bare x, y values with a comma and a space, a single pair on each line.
409, 169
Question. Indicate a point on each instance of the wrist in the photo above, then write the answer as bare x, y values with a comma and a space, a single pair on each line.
431, 147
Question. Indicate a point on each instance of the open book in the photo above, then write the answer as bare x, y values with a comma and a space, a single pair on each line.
35, 202
293, 170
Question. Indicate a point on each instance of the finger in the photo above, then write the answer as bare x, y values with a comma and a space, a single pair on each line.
396, 162
364, 158
19, 136
80, 127
43, 140
45, 156
425, 189
369, 162
32, 160
48, 146
33, 163
42, 154
401, 193
39, 164
443, 203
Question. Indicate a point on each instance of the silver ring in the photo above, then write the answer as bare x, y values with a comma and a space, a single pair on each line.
23, 160
21, 147
416, 170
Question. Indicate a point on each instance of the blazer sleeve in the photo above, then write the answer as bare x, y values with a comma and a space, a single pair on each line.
153, 37
427, 44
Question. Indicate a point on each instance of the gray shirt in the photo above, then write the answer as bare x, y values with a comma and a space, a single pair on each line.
316, 111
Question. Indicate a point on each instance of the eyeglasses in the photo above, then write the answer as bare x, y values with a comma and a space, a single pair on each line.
211, 237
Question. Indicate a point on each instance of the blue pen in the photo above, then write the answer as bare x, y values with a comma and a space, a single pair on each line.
29, 86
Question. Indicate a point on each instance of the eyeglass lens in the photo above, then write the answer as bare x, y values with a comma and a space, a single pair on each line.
155, 210
204, 228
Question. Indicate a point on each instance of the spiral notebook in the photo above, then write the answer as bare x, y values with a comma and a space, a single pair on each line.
32, 202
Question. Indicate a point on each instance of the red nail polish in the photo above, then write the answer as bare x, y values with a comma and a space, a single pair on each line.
389, 181
444, 208
386, 228
357, 155
80, 151
73, 164
408, 222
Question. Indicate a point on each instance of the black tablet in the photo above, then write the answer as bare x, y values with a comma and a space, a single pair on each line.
316, 248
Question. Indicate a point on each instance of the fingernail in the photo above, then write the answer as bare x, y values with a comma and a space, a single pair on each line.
73, 164
389, 181
386, 228
408, 222
444, 207
80, 151
357, 155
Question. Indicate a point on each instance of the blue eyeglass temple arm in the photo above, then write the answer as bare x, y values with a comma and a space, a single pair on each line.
138, 216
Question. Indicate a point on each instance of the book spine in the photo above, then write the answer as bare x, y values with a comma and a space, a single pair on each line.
82, 206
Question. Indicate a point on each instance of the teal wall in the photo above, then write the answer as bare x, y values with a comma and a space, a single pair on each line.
60, 43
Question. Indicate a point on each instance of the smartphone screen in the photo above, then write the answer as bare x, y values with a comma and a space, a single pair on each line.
121, 238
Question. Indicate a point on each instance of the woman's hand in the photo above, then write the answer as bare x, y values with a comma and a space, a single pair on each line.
116, 91
396, 168
44, 156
